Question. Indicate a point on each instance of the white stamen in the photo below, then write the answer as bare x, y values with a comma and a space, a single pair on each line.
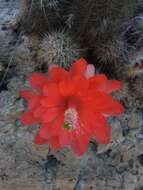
71, 118
90, 71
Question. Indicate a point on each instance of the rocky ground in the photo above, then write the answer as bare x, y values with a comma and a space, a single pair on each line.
26, 166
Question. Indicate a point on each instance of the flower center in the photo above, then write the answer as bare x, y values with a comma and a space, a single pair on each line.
71, 119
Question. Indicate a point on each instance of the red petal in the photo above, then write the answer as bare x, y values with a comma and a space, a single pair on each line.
52, 113
77, 85
56, 126
87, 121
54, 143
111, 86
66, 88
97, 81
27, 94
100, 82
51, 96
113, 108
93, 101
33, 99
52, 102
103, 103
102, 135
78, 67
37, 80
102, 130
27, 118
33, 103
95, 123
52, 128
64, 138
39, 111
51, 89
58, 74
39, 140
81, 85
80, 144
44, 132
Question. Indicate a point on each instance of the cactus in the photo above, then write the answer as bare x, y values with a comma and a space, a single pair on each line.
98, 24
136, 86
43, 15
100, 15
54, 4
59, 48
132, 36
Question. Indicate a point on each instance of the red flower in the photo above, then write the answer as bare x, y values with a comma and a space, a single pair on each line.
71, 107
